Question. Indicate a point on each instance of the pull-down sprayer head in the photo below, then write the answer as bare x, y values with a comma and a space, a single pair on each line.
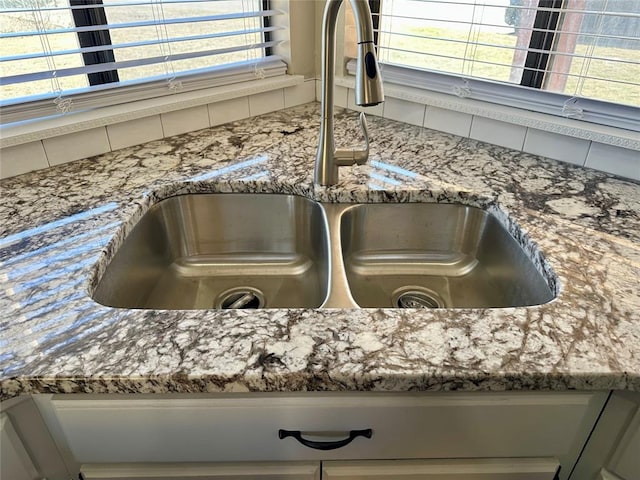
368, 90
368, 81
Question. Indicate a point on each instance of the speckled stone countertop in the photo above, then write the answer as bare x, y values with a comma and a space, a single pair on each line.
56, 225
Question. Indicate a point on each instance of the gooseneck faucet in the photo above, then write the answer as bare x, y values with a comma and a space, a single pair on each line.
368, 90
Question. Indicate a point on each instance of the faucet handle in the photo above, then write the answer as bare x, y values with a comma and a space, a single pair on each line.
351, 156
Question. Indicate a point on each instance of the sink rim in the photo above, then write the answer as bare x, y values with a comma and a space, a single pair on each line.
189, 230
529, 246
534, 260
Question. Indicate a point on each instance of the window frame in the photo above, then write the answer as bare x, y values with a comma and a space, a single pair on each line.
86, 17
528, 95
104, 92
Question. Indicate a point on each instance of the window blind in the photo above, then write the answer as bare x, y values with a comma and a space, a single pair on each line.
65, 52
585, 50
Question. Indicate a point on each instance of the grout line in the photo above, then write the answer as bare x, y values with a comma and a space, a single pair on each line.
584, 164
468, 134
106, 132
46, 154
526, 135
162, 125
473, 119
424, 117
209, 108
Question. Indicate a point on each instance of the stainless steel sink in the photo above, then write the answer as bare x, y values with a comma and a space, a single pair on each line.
222, 251
209, 251
434, 256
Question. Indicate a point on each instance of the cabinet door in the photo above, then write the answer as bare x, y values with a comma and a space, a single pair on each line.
15, 462
613, 449
203, 471
476, 469
22, 424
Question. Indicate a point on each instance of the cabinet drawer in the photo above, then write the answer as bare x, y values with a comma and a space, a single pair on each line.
489, 469
203, 471
233, 427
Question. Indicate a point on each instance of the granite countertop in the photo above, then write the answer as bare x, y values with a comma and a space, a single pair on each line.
57, 224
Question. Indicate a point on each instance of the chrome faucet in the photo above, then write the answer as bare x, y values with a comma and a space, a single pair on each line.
368, 90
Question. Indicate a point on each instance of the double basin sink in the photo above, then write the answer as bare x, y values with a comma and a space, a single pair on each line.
247, 251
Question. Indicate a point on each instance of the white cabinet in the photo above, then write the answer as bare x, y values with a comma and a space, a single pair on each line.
472, 469
613, 451
27, 450
15, 462
515, 435
228, 427
224, 471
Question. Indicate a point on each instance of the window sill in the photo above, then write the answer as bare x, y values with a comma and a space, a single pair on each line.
26, 132
549, 123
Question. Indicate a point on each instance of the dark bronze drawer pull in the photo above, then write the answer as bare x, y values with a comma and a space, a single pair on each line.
297, 434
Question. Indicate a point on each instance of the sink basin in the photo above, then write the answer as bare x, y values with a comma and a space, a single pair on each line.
228, 251
435, 256
204, 251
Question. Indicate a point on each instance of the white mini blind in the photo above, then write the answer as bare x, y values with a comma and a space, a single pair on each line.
584, 49
64, 51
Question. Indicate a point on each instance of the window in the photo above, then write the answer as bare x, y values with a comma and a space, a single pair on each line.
577, 58
61, 55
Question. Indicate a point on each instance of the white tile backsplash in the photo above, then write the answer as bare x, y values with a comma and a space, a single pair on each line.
404, 111
53, 151
449, 121
300, 94
559, 147
74, 146
228, 111
183, 121
22, 159
616, 160
340, 96
497, 132
266, 102
135, 132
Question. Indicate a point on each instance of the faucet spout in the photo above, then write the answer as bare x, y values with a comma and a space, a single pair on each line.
368, 89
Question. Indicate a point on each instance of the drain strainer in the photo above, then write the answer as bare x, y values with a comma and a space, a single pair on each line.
416, 297
240, 297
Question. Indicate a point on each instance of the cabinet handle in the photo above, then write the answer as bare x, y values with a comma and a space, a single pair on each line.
297, 434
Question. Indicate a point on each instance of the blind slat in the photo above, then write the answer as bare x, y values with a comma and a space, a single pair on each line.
147, 23
105, 67
487, 62
117, 46
499, 46
533, 8
66, 8
471, 25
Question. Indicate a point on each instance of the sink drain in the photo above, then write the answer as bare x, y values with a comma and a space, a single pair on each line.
240, 297
416, 297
